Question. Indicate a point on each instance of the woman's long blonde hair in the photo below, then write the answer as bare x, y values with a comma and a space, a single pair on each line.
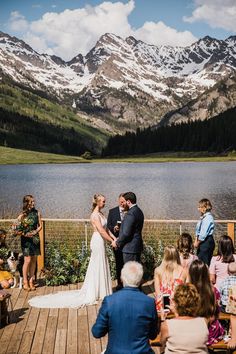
170, 262
96, 199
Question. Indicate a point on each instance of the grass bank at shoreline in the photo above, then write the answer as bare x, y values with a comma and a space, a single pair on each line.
9, 156
16, 156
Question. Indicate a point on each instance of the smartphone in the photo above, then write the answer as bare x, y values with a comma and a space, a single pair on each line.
166, 302
118, 223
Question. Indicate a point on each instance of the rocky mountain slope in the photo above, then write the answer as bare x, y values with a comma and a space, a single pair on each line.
221, 97
126, 83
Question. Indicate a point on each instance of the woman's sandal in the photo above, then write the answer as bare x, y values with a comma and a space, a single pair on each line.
31, 284
26, 286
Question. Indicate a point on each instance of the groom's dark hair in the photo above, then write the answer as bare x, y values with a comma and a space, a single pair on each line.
130, 196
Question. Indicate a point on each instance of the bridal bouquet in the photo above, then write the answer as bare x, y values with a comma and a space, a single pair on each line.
17, 228
22, 227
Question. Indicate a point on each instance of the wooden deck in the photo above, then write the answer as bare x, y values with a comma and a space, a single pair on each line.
51, 331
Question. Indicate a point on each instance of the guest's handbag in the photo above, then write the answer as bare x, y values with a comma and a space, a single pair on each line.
231, 305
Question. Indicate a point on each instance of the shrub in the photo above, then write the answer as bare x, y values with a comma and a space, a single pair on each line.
151, 257
66, 266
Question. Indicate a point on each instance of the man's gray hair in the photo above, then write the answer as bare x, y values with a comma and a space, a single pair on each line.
132, 274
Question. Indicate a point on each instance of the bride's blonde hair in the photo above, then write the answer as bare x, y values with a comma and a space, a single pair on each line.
96, 199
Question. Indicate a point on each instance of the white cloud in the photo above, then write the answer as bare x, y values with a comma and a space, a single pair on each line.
76, 31
216, 13
160, 34
17, 22
39, 44
71, 32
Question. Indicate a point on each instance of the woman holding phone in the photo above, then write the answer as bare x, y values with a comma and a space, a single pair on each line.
168, 275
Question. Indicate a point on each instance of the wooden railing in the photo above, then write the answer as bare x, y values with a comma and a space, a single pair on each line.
181, 224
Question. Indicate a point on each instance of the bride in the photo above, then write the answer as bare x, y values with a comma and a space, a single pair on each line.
97, 283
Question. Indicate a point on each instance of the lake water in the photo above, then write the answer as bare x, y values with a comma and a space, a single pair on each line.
164, 190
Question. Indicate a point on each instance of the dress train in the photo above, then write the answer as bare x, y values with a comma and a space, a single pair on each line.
97, 283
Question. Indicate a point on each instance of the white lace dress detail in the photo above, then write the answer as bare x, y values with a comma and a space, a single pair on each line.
97, 283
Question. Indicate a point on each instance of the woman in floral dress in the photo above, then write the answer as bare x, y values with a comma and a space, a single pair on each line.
27, 227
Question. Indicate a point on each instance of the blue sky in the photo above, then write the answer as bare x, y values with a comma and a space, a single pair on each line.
66, 28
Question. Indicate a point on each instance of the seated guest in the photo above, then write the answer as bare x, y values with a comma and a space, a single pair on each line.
185, 248
186, 333
226, 284
231, 308
209, 299
6, 278
168, 275
128, 316
219, 264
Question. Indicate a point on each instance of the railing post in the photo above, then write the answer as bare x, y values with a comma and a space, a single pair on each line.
230, 231
180, 228
86, 233
42, 247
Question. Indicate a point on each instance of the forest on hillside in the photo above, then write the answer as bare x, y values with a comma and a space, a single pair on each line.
214, 135
23, 132
29, 121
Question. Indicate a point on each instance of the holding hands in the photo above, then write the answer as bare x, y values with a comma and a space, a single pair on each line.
113, 243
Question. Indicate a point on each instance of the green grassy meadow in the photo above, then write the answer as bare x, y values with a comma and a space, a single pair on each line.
17, 156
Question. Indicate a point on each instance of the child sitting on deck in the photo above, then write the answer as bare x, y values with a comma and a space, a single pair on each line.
226, 284
231, 308
6, 279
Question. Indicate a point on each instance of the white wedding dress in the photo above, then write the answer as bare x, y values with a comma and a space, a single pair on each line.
97, 283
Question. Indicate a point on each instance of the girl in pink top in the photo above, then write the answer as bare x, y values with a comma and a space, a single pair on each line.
219, 264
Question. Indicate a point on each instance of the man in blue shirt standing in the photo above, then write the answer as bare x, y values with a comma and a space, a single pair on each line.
204, 242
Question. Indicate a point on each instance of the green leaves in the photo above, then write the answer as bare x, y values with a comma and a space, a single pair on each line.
64, 265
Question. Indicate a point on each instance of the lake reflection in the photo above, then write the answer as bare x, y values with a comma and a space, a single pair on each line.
164, 190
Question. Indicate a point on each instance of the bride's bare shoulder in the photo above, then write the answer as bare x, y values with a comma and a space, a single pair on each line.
94, 216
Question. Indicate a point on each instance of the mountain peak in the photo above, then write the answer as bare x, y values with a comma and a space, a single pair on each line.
108, 38
131, 41
132, 81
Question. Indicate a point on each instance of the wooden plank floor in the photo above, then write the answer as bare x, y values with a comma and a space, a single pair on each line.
51, 331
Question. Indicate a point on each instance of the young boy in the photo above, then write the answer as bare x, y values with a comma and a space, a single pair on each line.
226, 284
204, 242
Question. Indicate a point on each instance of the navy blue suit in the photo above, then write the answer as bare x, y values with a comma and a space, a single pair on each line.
113, 217
130, 235
130, 319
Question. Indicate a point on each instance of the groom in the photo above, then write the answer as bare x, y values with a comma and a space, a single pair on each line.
130, 236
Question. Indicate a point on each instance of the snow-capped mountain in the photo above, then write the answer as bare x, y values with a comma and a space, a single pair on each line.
132, 82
